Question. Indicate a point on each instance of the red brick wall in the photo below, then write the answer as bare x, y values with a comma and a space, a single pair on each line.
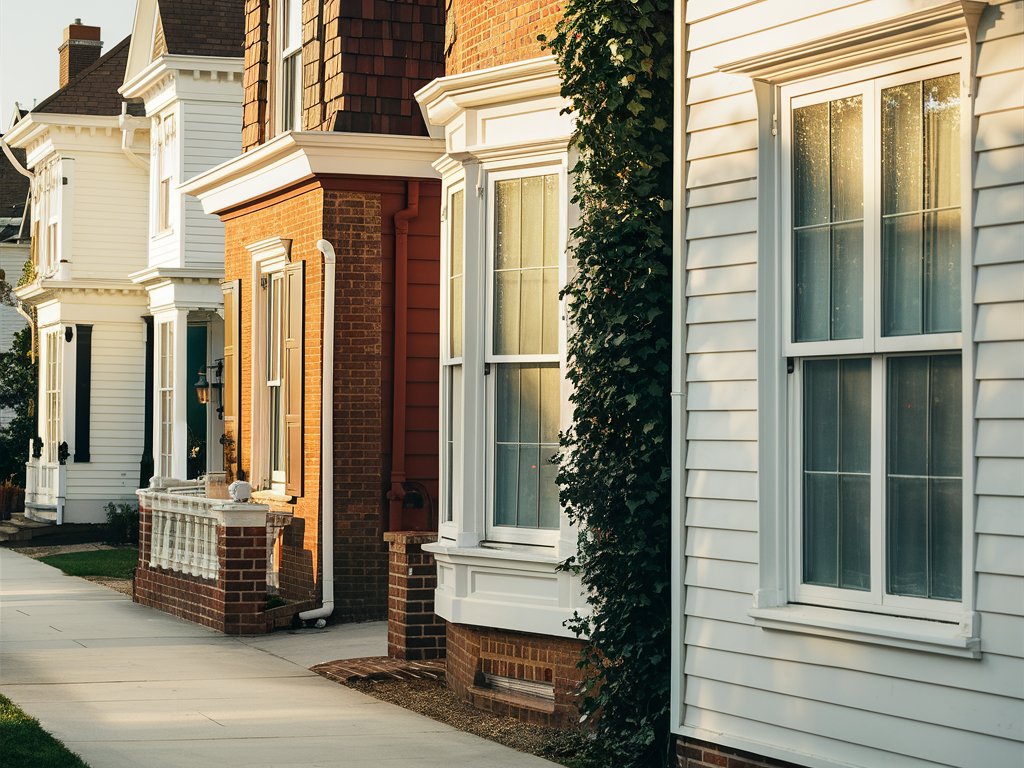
691, 753
475, 651
296, 215
357, 217
415, 632
480, 35
233, 603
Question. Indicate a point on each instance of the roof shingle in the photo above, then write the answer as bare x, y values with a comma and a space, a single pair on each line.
94, 90
203, 27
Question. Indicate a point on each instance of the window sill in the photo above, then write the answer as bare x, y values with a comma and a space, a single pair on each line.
510, 553
895, 631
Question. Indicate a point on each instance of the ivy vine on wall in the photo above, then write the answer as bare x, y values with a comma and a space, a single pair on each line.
615, 59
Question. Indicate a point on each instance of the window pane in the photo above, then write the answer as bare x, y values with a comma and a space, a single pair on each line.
848, 281
456, 255
847, 159
531, 317
942, 271
552, 221
921, 179
506, 312
453, 436
836, 460
811, 284
811, 165
532, 227
941, 141
925, 519
901, 148
291, 13
527, 399
507, 223
550, 309
901, 275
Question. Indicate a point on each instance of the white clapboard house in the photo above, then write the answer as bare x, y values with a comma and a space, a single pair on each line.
849, 417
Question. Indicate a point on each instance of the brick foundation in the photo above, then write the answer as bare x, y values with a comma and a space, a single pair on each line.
473, 652
691, 753
415, 632
233, 603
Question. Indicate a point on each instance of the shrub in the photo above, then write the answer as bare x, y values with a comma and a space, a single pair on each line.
122, 524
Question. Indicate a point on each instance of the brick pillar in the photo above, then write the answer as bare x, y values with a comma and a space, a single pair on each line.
242, 551
415, 632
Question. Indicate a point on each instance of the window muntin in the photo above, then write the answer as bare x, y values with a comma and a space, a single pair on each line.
290, 57
524, 385
870, 530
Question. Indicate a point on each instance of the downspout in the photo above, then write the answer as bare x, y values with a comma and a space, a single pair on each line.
401, 354
129, 124
326, 443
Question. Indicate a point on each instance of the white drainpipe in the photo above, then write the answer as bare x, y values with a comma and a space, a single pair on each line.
326, 444
129, 124
14, 161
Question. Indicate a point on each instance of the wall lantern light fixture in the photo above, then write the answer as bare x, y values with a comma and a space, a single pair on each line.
214, 382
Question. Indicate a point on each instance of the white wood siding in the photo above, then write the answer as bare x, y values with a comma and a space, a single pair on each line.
109, 218
815, 700
211, 134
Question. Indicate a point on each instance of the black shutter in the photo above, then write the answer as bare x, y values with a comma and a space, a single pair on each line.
83, 390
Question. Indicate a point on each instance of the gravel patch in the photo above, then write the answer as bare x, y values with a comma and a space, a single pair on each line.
432, 699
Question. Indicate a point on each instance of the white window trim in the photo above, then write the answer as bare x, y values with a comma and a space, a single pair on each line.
502, 534
280, 53
164, 165
269, 257
952, 629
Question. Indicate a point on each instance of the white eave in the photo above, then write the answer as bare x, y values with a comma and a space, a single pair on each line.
33, 125
443, 99
300, 155
167, 65
172, 274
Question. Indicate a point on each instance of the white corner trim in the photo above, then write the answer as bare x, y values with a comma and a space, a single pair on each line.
300, 155
960, 639
445, 97
271, 254
943, 25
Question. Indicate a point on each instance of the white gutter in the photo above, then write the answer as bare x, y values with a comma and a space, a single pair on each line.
13, 160
129, 124
326, 444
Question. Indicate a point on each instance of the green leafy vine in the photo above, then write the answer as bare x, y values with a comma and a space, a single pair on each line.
615, 60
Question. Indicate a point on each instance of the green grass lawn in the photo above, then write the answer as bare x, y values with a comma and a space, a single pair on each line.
24, 744
112, 563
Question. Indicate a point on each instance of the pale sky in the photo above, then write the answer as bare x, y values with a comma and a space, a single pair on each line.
30, 33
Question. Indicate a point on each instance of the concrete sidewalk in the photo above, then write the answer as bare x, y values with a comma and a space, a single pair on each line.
125, 685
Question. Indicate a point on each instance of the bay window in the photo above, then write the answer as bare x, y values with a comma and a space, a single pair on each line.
872, 297
163, 140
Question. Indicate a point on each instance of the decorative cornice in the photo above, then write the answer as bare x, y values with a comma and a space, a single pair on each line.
176, 274
298, 156
946, 24
443, 99
169, 67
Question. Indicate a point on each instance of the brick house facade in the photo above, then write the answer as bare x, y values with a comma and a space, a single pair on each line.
335, 153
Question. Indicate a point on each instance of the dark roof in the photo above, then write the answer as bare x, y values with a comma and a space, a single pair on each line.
13, 190
203, 27
94, 90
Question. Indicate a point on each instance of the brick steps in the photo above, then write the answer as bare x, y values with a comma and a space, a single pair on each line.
380, 668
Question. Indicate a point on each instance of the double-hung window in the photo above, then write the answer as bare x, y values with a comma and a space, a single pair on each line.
522, 358
275, 396
451, 352
872, 320
164, 179
166, 395
289, 41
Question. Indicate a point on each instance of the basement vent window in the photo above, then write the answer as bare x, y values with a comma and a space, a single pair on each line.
532, 688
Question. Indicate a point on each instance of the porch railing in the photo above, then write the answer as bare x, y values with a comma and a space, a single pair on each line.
184, 535
41, 482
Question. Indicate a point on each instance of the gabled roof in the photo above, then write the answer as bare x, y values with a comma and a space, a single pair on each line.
94, 91
203, 27
13, 193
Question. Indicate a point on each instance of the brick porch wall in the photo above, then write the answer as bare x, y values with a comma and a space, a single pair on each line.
473, 652
233, 603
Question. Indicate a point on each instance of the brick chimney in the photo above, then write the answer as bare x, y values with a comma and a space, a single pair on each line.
81, 47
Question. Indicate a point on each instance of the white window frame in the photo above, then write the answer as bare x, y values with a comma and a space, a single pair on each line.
452, 412
166, 396
164, 146
53, 347
546, 537
270, 257
781, 601
283, 52
46, 217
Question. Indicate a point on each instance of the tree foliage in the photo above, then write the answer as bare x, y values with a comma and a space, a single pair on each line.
615, 59
17, 392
